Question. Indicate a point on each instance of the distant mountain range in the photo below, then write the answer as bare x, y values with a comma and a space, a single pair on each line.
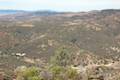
10, 11
43, 13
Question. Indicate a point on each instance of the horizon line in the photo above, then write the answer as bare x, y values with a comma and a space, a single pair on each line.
50, 10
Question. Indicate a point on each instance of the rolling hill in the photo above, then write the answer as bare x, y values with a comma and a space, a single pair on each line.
93, 36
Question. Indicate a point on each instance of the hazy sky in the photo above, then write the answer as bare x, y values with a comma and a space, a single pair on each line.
60, 5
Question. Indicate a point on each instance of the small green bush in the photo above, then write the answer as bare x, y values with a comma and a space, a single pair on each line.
31, 73
62, 57
56, 69
72, 74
